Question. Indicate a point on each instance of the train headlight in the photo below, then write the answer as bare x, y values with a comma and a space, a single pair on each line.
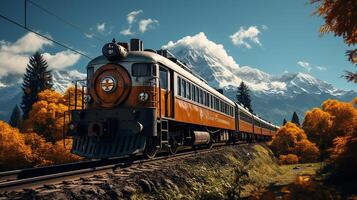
113, 51
143, 96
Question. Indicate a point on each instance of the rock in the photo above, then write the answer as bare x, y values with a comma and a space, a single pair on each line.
128, 191
145, 185
50, 186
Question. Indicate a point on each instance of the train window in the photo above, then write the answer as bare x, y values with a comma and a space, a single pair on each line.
141, 69
197, 94
211, 99
193, 91
179, 86
203, 98
163, 78
208, 100
183, 88
188, 90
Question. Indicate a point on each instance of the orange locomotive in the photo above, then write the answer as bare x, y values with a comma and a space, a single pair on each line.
141, 101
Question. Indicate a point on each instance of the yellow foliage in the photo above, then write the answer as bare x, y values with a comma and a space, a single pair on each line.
335, 119
70, 95
286, 138
46, 153
288, 159
14, 153
291, 139
317, 124
307, 151
334, 128
344, 116
46, 115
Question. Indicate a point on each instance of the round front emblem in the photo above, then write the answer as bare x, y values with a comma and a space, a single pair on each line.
108, 84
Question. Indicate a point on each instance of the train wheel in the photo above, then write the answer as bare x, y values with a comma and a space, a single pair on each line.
150, 148
173, 148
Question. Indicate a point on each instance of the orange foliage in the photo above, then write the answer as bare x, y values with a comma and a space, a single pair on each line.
307, 150
69, 95
14, 153
46, 115
344, 116
333, 120
334, 127
343, 157
317, 124
288, 159
290, 139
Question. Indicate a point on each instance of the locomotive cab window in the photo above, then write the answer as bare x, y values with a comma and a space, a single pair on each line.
143, 69
163, 78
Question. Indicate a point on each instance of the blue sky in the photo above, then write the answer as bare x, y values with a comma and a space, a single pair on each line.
288, 38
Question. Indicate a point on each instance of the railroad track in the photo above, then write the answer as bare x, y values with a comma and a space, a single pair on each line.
33, 178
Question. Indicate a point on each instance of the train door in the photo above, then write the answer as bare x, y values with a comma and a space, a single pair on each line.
165, 92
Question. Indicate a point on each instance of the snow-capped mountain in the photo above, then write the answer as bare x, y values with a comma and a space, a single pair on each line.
273, 96
63, 79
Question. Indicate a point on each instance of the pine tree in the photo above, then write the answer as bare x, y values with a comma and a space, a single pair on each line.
284, 121
15, 119
37, 78
243, 96
295, 119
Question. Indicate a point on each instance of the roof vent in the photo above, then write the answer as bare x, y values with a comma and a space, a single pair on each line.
136, 45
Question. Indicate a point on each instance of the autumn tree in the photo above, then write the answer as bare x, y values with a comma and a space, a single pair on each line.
295, 119
36, 79
317, 124
47, 115
291, 139
14, 153
334, 128
45, 153
15, 118
340, 18
243, 96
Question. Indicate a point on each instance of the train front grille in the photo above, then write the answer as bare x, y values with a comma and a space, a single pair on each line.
125, 143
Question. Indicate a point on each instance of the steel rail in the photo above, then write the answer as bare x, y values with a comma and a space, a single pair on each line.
36, 177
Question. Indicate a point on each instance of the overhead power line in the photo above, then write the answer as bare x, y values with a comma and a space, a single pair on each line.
76, 27
43, 36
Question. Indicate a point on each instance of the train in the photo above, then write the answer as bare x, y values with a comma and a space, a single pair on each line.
142, 101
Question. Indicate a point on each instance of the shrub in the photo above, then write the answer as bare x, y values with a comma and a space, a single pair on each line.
291, 139
14, 153
288, 159
307, 151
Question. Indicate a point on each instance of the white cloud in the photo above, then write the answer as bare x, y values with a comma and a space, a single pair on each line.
101, 27
321, 68
145, 24
200, 41
62, 59
264, 27
131, 17
127, 31
89, 35
240, 37
14, 57
304, 65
